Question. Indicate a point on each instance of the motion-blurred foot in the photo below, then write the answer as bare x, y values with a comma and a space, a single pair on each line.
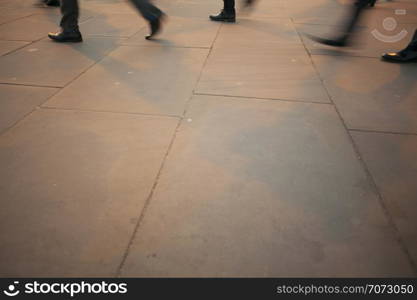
365, 3
66, 36
339, 42
224, 16
155, 26
248, 3
52, 2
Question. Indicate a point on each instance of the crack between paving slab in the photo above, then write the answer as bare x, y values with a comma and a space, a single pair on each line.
18, 18
397, 234
30, 112
108, 111
159, 174
263, 98
382, 132
31, 85
146, 205
162, 46
58, 90
19, 48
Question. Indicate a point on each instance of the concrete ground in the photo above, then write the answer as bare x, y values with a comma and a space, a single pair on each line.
217, 150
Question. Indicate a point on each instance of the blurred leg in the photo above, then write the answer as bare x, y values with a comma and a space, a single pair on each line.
70, 13
147, 9
348, 28
229, 6
151, 13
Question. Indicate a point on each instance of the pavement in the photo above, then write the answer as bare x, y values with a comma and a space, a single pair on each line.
216, 150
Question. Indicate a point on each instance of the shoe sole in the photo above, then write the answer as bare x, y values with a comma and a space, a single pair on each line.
224, 21
391, 60
66, 41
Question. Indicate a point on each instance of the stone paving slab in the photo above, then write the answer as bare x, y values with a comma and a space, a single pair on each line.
370, 94
9, 46
264, 9
18, 7
6, 17
180, 32
32, 28
285, 73
263, 188
117, 25
190, 8
73, 185
327, 12
248, 187
271, 64
392, 160
152, 80
17, 101
46, 63
107, 7
258, 34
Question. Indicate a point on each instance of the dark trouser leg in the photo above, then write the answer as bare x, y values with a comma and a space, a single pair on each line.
70, 12
229, 6
355, 15
147, 9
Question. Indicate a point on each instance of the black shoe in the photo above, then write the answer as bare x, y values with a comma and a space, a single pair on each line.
405, 55
66, 36
155, 26
366, 3
52, 2
340, 42
224, 16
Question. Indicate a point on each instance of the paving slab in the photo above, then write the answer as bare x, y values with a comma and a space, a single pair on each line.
233, 67
258, 33
32, 28
72, 187
263, 72
263, 188
17, 101
392, 161
6, 17
106, 7
26, 7
371, 94
9, 46
326, 12
180, 32
46, 63
118, 25
152, 80
190, 8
